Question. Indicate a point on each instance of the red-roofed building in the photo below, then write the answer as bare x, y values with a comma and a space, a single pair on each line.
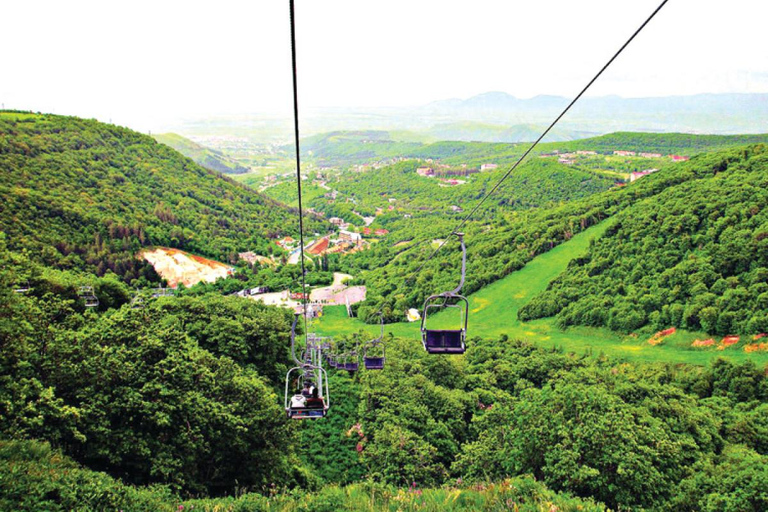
366, 231
381, 232
318, 247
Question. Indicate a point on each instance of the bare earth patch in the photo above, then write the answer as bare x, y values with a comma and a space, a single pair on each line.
177, 266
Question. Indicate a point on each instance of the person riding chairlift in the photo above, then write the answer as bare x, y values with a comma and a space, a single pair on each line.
301, 397
314, 401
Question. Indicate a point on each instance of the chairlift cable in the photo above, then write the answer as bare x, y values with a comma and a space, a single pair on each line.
298, 166
474, 210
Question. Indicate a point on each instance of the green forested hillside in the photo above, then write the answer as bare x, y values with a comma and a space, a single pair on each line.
345, 148
83, 194
697, 190
206, 157
687, 144
536, 183
178, 404
694, 255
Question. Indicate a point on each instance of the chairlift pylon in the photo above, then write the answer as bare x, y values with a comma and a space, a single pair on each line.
447, 341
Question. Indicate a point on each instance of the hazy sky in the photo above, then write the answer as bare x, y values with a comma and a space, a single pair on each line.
147, 63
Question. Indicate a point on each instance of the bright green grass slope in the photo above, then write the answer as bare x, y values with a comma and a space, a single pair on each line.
493, 312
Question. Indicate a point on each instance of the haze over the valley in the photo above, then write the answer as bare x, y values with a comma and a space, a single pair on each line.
180, 65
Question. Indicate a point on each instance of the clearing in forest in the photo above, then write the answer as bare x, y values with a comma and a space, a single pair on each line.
177, 266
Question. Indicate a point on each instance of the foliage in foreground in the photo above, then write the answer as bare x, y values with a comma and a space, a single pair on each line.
34, 477
179, 392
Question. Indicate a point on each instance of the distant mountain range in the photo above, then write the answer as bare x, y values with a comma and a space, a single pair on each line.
501, 117
701, 113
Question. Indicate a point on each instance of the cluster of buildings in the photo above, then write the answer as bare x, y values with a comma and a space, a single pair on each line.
639, 174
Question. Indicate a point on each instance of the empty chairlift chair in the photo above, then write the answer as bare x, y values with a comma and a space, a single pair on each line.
447, 341
313, 401
89, 297
22, 287
351, 363
373, 351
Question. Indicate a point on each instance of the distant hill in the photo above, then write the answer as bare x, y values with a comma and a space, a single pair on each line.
343, 148
707, 113
476, 131
208, 158
687, 144
82, 194
690, 251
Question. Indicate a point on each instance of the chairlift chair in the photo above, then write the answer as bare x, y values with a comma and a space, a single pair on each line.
351, 363
375, 362
163, 292
22, 287
447, 341
300, 407
89, 297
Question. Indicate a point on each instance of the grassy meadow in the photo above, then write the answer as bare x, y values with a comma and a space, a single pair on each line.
493, 313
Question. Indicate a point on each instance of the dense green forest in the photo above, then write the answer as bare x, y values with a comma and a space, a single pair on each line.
695, 255
180, 401
537, 183
81, 194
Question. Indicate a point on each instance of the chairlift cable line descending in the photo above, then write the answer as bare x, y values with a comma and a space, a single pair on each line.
298, 166
474, 210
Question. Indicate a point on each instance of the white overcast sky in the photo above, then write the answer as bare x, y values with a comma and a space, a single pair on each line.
147, 63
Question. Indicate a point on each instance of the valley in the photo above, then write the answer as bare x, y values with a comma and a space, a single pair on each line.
644, 376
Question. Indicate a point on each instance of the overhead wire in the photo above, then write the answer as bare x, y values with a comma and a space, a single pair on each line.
298, 167
474, 210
